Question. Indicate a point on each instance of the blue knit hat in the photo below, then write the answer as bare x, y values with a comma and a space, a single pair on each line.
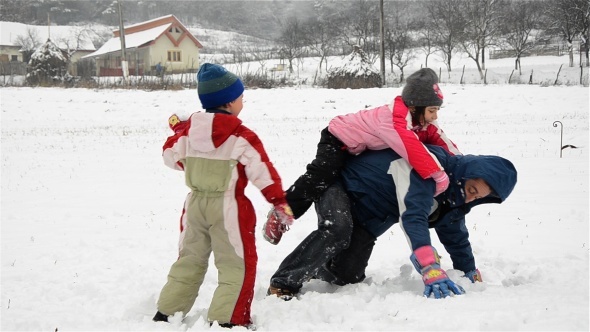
217, 86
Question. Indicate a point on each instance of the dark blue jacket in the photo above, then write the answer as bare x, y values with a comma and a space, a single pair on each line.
384, 190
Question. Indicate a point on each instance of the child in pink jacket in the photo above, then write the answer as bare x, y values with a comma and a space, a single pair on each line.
404, 126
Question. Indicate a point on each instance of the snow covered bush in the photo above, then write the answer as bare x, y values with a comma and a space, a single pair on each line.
47, 65
357, 72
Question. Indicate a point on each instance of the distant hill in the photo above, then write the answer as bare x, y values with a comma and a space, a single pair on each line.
217, 41
261, 19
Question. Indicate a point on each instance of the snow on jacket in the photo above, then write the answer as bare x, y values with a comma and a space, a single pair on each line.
390, 126
219, 136
378, 202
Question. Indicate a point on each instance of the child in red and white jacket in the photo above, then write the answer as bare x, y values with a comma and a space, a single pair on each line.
405, 126
219, 156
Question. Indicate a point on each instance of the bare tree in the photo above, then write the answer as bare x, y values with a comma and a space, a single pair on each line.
521, 19
28, 43
399, 45
358, 25
73, 42
449, 25
585, 28
570, 19
292, 41
321, 38
482, 26
427, 42
262, 56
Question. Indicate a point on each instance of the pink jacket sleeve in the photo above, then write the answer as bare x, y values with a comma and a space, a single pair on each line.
383, 127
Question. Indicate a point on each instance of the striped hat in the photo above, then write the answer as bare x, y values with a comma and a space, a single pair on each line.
217, 86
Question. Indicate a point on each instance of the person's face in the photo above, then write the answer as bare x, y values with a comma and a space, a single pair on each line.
235, 107
475, 189
431, 113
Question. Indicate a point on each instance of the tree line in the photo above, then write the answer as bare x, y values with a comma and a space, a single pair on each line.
325, 28
444, 27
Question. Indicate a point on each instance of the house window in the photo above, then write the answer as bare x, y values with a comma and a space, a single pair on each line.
174, 56
14, 58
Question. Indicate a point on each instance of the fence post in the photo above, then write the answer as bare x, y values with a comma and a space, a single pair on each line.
557, 78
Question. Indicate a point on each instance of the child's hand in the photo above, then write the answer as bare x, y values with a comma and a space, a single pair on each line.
442, 182
279, 218
176, 124
173, 120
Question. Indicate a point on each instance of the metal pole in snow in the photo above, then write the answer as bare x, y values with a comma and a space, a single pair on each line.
561, 141
124, 65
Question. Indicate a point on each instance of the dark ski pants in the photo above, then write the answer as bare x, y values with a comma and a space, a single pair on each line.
320, 174
348, 267
337, 252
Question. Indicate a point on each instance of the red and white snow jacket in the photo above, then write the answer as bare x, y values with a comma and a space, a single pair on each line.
222, 137
390, 126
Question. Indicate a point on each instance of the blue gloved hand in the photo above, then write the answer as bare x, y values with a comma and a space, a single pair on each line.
474, 275
427, 262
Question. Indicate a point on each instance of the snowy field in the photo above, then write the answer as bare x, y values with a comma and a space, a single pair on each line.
90, 213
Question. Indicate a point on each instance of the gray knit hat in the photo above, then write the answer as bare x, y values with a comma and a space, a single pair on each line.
422, 89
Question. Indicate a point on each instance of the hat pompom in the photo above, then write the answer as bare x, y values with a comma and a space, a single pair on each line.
217, 86
422, 89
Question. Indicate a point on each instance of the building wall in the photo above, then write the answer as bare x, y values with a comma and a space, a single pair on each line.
78, 54
110, 64
73, 66
189, 55
7, 53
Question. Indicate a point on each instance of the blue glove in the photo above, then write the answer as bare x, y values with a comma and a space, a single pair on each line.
474, 275
427, 262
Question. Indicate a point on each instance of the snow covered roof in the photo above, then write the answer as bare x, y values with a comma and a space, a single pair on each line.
62, 36
144, 33
132, 40
149, 22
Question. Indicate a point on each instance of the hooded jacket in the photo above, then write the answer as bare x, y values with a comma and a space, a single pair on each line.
385, 190
222, 139
219, 156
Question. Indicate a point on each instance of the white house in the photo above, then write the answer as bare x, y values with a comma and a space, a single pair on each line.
164, 40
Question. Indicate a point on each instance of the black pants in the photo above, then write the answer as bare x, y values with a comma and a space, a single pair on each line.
348, 267
320, 174
337, 252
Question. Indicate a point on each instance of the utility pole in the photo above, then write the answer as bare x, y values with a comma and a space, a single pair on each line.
124, 65
382, 44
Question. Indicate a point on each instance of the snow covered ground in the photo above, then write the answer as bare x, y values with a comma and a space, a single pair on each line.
89, 213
